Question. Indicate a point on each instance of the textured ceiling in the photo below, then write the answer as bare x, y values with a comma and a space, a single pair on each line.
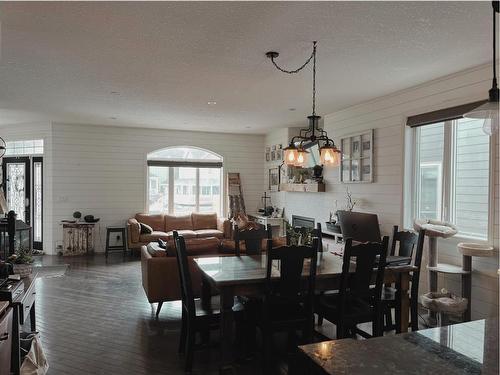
157, 64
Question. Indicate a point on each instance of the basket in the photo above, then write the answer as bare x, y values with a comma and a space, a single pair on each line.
23, 270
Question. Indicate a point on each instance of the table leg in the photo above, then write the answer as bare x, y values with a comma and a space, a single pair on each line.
33, 317
226, 329
206, 294
404, 301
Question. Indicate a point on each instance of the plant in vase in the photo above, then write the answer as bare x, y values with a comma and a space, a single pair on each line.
22, 262
298, 236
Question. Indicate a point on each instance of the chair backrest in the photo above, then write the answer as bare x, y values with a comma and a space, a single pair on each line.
415, 277
407, 240
318, 232
187, 294
291, 286
252, 238
360, 285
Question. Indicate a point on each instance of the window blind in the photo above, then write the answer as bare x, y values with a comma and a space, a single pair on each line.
442, 115
193, 164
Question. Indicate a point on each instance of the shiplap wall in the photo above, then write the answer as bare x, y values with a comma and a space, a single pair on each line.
102, 170
387, 116
38, 130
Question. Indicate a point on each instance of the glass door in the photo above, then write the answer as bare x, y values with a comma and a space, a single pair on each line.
37, 203
16, 175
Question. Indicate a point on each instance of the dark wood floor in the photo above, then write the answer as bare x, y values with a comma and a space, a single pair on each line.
96, 320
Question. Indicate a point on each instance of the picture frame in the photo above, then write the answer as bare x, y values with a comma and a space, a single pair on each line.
274, 179
357, 158
268, 153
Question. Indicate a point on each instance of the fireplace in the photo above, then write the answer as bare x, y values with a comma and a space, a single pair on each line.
302, 221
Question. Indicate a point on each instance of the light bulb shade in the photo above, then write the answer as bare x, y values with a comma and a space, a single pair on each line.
330, 155
489, 113
302, 156
290, 155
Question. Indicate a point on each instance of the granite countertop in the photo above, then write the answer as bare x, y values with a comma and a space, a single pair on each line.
465, 348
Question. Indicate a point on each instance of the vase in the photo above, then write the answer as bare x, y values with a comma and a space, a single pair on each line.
23, 270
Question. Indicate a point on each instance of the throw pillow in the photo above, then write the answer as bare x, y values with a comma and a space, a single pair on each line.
145, 229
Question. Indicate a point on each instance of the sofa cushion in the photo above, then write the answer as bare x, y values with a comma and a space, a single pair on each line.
153, 237
204, 221
145, 229
186, 233
178, 223
155, 221
200, 233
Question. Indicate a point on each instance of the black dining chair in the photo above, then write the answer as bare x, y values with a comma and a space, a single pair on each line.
359, 297
252, 238
408, 244
289, 298
195, 318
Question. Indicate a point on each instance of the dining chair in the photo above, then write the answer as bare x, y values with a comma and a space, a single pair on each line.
195, 318
289, 298
409, 244
359, 297
253, 239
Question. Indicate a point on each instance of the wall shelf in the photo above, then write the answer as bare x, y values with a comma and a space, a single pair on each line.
303, 188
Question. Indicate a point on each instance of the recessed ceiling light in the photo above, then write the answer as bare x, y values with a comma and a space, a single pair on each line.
114, 93
211, 102
248, 127
112, 118
291, 109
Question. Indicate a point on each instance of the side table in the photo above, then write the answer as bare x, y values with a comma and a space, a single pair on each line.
121, 234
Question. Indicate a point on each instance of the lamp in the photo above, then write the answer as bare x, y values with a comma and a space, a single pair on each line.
297, 156
489, 110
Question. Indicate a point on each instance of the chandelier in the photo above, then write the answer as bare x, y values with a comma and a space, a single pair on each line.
295, 154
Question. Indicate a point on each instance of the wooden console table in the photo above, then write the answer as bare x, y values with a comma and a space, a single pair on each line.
5, 337
78, 238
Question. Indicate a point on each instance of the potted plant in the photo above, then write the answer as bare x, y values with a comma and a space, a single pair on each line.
22, 262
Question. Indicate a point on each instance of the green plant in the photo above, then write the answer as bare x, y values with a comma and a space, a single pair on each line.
21, 256
296, 236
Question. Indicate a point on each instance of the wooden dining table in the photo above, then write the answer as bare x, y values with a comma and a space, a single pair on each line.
244, 275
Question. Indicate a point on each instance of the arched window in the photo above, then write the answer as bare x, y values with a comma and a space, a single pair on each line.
184, 179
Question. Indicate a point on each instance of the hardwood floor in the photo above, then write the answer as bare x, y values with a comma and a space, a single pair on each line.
96, 320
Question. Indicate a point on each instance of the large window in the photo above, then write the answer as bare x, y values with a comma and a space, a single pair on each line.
182, 180
451, 175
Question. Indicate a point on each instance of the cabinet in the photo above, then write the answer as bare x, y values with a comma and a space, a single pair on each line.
5, 337
304, 188
276, 223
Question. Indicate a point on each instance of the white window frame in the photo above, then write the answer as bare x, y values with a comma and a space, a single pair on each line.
412, 179
190, 163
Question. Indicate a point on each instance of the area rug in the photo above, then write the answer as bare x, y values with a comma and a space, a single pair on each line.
51, 271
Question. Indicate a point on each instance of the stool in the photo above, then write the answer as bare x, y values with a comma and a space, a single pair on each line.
122, 235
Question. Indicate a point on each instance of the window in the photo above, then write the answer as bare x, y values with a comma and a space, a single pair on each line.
451, 178
182, 180
31, 147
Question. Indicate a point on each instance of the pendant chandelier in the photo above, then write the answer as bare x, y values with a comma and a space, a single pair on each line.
489, 111
295, 154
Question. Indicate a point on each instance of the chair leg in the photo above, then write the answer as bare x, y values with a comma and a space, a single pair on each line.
414, 315
388, 319
341, 331
267, 346
191, 336
182, 339
320, 320
158, 308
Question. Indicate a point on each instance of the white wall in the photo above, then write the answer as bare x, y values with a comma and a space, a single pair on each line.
101, 170
387, 115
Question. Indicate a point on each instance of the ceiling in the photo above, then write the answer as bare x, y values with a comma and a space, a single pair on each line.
158, 64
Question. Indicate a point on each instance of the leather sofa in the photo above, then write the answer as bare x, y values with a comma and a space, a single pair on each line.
195, 225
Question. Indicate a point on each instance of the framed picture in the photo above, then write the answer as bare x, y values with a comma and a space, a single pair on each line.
268, 153
273, 155
274, 179
357, 158
279, 154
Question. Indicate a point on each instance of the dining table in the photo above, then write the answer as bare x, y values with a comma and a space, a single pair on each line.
245, 275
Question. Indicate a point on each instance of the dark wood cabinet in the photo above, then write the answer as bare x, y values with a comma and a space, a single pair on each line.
5, 337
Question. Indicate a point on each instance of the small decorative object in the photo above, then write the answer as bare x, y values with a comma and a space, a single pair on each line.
274, 179
318, 173
22, 262
357, 158
91, 219
350, 203
77, 215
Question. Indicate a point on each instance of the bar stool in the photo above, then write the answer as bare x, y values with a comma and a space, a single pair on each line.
121, 235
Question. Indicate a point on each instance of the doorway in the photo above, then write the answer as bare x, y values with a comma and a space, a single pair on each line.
23, 189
